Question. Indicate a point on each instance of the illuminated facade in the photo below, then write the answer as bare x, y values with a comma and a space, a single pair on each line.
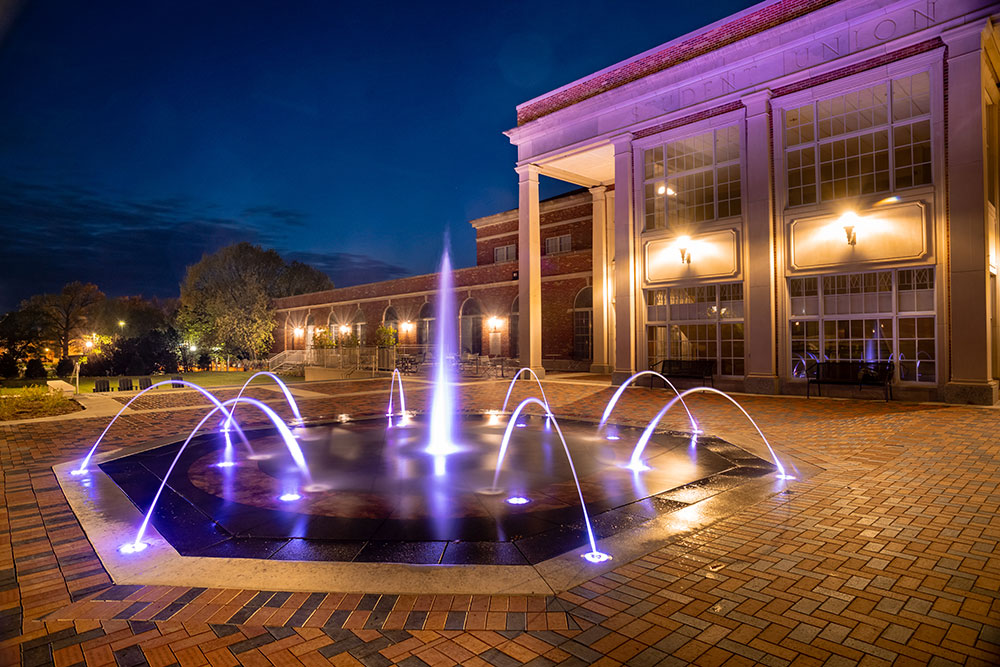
806, 180
486, 295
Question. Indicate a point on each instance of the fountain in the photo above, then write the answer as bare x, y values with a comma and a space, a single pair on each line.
426, 490
443, 399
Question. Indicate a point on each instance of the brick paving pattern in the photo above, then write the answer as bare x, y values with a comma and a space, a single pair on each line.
889, 555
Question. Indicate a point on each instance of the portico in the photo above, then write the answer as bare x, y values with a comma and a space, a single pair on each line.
723, 165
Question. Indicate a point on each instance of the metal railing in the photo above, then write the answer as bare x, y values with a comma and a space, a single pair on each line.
364, 358
286, 359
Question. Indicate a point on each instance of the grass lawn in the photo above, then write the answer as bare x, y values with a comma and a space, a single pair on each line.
202, 378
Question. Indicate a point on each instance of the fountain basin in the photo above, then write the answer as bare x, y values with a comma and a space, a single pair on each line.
377, 496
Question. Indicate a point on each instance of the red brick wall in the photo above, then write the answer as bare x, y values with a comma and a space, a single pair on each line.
580, 230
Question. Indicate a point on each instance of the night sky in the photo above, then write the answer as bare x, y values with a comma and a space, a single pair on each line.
137, 136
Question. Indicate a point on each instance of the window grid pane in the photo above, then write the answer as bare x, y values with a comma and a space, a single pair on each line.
911, 96
851, 112
854, 166
863, 149
693, 341
705, 322
694, 179
840, 324
912, 153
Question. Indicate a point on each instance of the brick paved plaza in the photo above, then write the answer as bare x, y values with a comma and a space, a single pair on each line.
888, 554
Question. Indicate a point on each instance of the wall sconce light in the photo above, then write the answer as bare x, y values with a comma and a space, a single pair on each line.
849, 221
664, 190
344, 329
89, 344
299, 331
494, 323
684, 247
406, 327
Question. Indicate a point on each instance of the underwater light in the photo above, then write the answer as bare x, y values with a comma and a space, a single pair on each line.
132, 547
289, 497
518, 500
225, 464
614, 437
596, 556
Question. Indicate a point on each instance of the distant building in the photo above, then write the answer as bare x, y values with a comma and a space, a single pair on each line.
805, 180
486, 295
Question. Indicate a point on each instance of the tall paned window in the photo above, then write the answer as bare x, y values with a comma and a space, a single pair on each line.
868, 141
870, 316
583, 324
698, 322
694, 179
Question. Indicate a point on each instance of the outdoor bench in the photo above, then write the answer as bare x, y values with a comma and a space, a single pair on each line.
699, 369
861, 373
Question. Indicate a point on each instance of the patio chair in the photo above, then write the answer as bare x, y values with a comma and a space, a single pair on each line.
145, 383
176, 384
102, 385
124, 384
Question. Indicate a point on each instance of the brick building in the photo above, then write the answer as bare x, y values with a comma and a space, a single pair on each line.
803, 181
486, 295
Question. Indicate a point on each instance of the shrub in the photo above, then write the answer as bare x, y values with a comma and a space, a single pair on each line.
204, 361
385, 336
9, 366
65, 367
324, 340
32, 402
35, 369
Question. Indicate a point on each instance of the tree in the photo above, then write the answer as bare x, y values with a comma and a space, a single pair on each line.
226, 298
155, 351
299, 278
140, 316
21, 333
67, 314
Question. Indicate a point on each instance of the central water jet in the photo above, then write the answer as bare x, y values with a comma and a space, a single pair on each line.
441, 442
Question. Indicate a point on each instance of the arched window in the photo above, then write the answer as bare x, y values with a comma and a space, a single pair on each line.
515, 329
310, 331
583, 321
425, 322
390, 320
471, 321
359, 325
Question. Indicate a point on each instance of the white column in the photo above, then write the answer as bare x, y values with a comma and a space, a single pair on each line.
529, 265
625, 336
970, 364
759, 299
600, 363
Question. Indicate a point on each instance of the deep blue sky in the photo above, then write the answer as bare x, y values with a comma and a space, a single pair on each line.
136, 136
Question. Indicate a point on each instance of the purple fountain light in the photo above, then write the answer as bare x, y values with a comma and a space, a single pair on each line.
441, 442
